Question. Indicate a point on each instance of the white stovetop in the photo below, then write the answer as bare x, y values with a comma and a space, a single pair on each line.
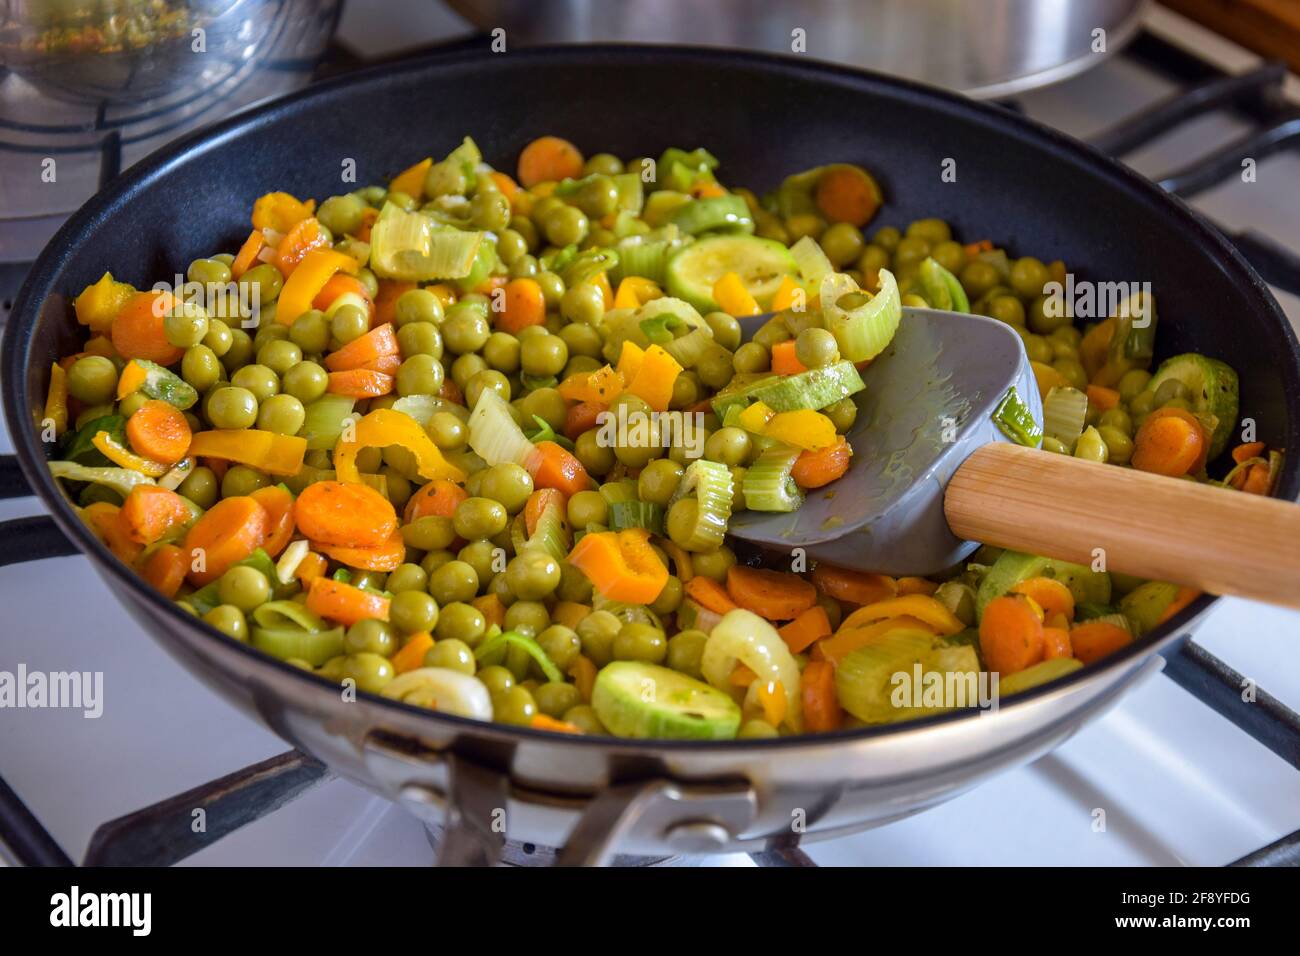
1179, 784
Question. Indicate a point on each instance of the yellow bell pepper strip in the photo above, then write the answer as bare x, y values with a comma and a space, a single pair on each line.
126, 458
922, 607
411, 179
621, 565
804, 429
654, 377
755, 418
629, 361
280, 211
636, 291
603, 386
306, 281
101, 345
266, 451
56, 399
99, 304
730, 293
787, 294
384, 427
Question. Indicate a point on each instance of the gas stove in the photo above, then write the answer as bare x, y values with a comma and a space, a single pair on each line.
1180, 772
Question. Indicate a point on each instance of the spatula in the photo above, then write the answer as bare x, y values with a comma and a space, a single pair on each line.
933, 476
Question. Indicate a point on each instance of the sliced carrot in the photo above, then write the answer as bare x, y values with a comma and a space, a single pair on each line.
709, 594
549, 159
159, 431
915, 585
247, 256
387, 364
451, 392
525, 306
775, 595
537, 504
106, 521
228, 532
583, 672
1257, 479
492, 608
810, 626
411, 654
1093, 640
360, 383
570, 613
345, 514
150, 512
784, 360
544, 722
813, 469
138, 331
821, 707
340, 283
1049, 594
1244, 452
1101, 398
973, 249
311, 567
279, 514
489, 286
390, 290
297, 242
848, 639
381, 557
1184, 597
1056, 643
165, 569
1170, 442
505, 185
439, 497
856, 587
582, 417
344, 603
378, 342
846, 194
553, 467
1011, 635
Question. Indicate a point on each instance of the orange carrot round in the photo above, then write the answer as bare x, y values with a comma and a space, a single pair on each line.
279, 512
159, 431
165, 569
1011, 635
536, 506
1049, 594
856, 587
378, 342
525, 305
438, 497
553, 467
1056, 643
230, 531
784, 360
847, 195
345, 514
821, 708
1170, 442
138, 331
775, 595
360, 383
1093, 640
549, 159
341, 602
149, 512
709, 594
813, 469
382, 557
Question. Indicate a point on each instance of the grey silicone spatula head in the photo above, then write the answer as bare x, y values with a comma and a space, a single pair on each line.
928, 403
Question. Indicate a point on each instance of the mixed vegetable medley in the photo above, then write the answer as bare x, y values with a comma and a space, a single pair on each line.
435, 440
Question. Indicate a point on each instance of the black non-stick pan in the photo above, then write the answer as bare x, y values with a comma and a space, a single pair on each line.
1021, 184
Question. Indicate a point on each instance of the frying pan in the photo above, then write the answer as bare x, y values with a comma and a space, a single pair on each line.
1016, 181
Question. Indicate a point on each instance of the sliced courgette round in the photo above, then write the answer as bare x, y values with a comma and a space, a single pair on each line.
1041, 673
1213, 385
760, 263
644, 700
1012, 567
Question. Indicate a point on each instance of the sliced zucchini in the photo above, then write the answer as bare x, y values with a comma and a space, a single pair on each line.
1012, 567
1041, 673
639, 700
1146, 603
760, 263
864, 679
1214, 389
814, 389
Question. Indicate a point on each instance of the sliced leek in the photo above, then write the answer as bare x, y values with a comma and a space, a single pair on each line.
744, 637
443, 689
710, 482
494, 435
1064, 412
863, 325
812, 262
768, 484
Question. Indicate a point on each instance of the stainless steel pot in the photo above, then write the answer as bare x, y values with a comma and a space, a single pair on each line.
589, 794
983, 48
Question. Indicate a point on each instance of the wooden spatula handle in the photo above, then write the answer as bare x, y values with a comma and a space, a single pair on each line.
1215, 539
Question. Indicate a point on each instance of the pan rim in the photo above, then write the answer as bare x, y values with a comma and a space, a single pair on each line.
27, 306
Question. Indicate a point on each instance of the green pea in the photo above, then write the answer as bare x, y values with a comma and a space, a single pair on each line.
232, 407
419, 375
454, 582
460, 621
543, 355
485, 381
481, 555
670, 596
1008, 309
658, 481
453, 655
714, 564
1055, 445
533, 575
417, 305
1072, 371
342, 215
480, 518
1090, 446
640, 642
219, 338
262, 283
725, 328
243, 587
685, 651
200, 367
429, 533
681, 521
1028, 276
730, 446
229, 620
407, 577
257, 379
1170, 389
508, 485
561, 644
445, 178
1116, 418
269, 332
465, 368
127, 406
311, 332
1132, 383
1142, 405
1119, 446
842, 244
1046, 315
240, 351
208, 272
412, 611
515, 706
370, 672
201, 487
527, 617
279, 356
751, 357
552, 287
949, 254
93, 379
583, 303
447, 431
306, 382
584, 718
931, 230
596, 632
186, 325
465, 329
596, 457
842, 414
582, 340
875, 257
978, 277
349, 323
816, 348
282, 414
587, 508
490, 211
564, 224
370, 637
714, 367
240, 480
